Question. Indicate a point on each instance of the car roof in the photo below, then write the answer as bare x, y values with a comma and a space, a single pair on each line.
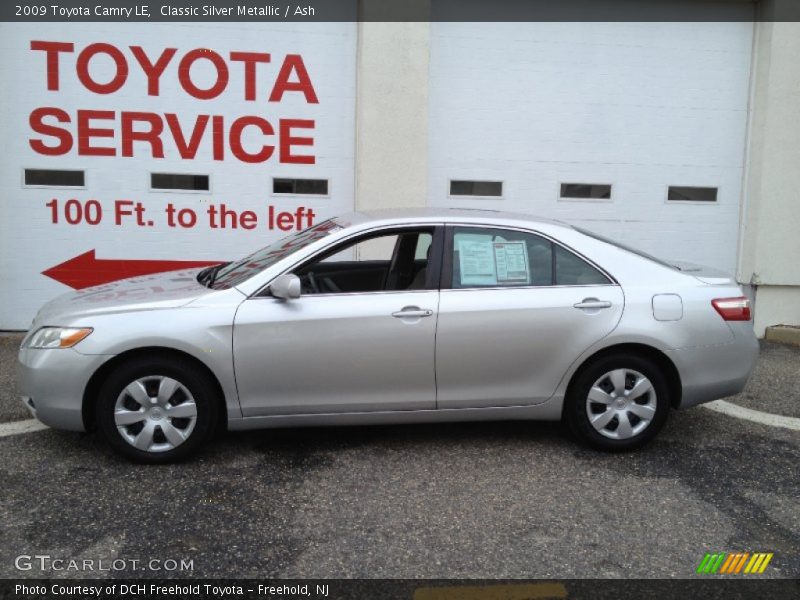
444, 215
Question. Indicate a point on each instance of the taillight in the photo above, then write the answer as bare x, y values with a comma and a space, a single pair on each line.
732, 309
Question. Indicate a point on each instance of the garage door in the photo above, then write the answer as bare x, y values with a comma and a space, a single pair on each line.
129, 149
634, 130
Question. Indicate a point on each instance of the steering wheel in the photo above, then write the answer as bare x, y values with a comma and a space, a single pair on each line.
330, 285
312, 282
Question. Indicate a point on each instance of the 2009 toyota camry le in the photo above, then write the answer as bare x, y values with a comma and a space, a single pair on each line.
398, 317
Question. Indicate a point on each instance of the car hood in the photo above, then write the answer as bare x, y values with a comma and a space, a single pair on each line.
149, 292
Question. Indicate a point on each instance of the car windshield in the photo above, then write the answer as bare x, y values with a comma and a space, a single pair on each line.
227, 275
635, 251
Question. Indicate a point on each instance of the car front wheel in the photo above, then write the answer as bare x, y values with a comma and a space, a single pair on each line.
619, 402
157, 410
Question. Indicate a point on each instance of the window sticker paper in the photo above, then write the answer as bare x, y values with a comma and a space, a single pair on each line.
511, 259
476, 261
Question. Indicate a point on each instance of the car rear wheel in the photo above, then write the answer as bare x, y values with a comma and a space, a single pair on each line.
157, 410
618, 402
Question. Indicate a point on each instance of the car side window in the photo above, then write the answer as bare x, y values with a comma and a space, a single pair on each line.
375, 263
488, 257
573, 270
491, 257
376, 248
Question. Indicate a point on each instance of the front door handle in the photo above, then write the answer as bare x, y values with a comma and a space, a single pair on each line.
593, 303
412, 312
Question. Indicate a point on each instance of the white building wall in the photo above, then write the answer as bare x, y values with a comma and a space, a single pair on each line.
770, 240
392, 114
637, 105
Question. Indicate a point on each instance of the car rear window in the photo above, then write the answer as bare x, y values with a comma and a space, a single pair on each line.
625, 247
496, 257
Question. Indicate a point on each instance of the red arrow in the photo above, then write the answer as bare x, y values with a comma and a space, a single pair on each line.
85, 270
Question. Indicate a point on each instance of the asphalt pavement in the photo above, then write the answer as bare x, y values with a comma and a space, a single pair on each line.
479, 500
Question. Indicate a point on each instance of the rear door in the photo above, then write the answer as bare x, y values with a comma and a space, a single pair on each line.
515, 310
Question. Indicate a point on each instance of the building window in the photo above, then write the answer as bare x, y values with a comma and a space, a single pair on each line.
285, 185
585, 191
682, 193
179, 181
55, 178
476, 188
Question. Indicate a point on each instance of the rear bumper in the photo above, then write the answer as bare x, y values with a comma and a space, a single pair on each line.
712, 372
53, 382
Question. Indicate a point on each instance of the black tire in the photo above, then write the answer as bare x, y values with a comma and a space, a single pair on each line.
200, 386
576, 411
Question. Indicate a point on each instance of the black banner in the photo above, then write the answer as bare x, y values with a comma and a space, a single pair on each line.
397, 10
733, 588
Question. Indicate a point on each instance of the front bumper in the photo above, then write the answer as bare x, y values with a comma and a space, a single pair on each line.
52, 383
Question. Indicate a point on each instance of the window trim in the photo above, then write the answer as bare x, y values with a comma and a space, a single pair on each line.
275, 194
561, 198
432, 276
26, 186
692, 202
446, 276
502, 195
152, 190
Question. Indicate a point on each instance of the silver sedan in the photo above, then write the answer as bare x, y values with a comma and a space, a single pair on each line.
400, 317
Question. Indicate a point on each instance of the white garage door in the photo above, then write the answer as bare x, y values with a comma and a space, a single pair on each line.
131, 149
623, 110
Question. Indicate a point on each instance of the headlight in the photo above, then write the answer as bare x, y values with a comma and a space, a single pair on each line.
58, 337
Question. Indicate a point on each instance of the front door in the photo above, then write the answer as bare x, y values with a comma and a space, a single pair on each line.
360, 338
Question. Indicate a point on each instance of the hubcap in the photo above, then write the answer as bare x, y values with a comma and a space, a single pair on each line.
621, 404
155, 413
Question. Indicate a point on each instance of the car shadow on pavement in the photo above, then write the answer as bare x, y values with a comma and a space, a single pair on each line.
324, 439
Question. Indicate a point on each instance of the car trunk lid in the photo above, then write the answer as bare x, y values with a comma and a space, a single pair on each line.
708, 275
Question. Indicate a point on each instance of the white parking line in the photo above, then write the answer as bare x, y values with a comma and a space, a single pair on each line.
17, 427
756, 416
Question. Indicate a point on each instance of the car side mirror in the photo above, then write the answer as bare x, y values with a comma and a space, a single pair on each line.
286, 286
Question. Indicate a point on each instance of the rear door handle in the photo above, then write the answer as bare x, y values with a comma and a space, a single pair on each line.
412, 312
593, 303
